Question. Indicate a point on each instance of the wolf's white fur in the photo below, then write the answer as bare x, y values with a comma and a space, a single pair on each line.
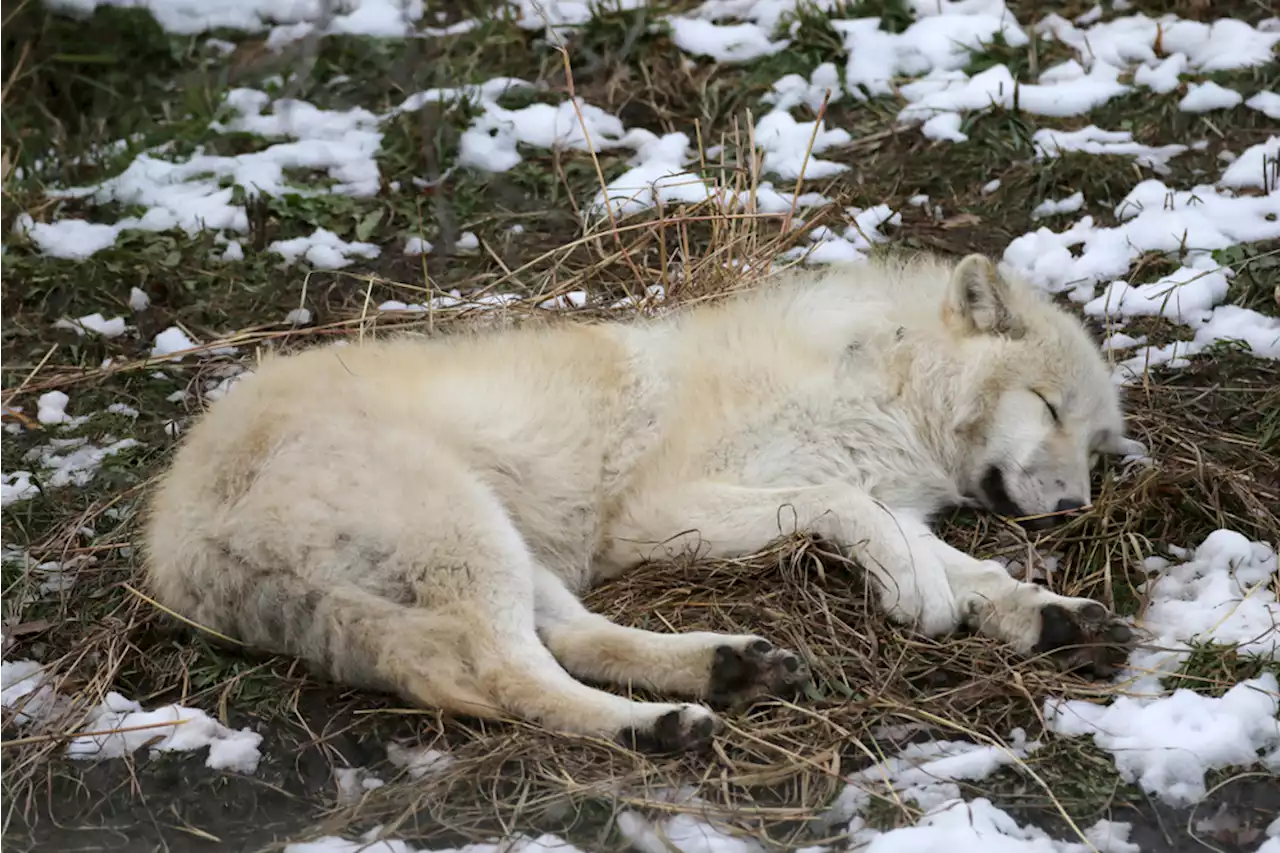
419, 516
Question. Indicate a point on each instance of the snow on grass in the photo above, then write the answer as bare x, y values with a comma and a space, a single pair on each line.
1094, 140
45, 578
94, 323
354, 782
1267, 103
1222, 594
1164, 741
417, 246
60, 463
925, 775
197, 193
323, 250
172, 340
418, 762
1051, 207
723, 42
370, 843
1189, 224
1203, 97
1258, 167
52, 408
119, 726
489, 144
138, 299
70, 238
954, 92
1140, 40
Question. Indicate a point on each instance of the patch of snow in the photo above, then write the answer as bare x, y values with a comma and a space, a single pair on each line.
1203, 97
170, 341
794, 90
926, 775
52, 408
1049, 207
572, 299
24, 689
1154, 218
323, 250
1164, 76
723, 42
789, 146
371, 843
944, 127
1257, 167
938, 43
138, 299
1186, 296
354, 783
73, 239
657, 176
953, 92
489, 144
94, 323
122, 409
1166, 741
120, 727
1094, 140
417, 246
418, 761
1222, 45
1267, 103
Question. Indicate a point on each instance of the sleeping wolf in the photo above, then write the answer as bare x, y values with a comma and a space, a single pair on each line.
419, 516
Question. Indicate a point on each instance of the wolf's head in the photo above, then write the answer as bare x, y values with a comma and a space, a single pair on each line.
1043, 404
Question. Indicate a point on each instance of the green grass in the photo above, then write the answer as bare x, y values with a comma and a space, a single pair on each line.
82, 86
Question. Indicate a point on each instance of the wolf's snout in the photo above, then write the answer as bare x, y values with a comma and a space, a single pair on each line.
1065, 509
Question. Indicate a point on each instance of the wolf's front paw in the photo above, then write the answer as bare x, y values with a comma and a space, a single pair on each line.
688, 728
742, 673
1080, 634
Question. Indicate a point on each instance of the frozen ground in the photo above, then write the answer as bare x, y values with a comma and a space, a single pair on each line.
238, 183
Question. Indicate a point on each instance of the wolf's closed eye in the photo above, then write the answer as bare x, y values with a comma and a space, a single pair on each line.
1053, 411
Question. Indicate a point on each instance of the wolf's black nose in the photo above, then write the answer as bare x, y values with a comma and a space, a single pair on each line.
1069, 505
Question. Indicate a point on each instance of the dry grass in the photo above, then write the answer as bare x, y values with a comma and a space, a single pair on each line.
778, 766
776, 769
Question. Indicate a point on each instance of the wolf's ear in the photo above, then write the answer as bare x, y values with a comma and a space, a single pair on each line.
979, 301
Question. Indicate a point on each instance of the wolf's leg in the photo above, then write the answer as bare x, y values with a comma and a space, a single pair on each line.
724, 520
721, 668
482, 574
1078, 632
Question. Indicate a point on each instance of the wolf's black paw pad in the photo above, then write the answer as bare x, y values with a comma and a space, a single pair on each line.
1087, 637
742, 674
686, 729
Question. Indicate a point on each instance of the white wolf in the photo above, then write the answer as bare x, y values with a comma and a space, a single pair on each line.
419, 516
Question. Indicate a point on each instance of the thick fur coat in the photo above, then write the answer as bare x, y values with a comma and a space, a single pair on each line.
419, 516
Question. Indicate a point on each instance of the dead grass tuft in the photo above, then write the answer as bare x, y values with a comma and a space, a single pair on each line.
1211, 428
